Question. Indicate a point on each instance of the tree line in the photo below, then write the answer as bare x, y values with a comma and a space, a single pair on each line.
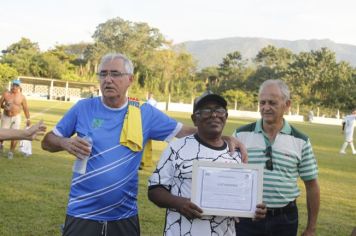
316, 78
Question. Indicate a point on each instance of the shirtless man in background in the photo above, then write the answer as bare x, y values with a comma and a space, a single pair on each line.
13, 102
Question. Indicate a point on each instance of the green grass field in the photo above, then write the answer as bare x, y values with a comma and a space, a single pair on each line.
34, 191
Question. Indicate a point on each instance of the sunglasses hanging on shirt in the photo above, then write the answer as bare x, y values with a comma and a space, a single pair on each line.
268, 153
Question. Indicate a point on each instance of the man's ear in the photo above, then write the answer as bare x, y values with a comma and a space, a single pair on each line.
131, 79
194, 119
288, 104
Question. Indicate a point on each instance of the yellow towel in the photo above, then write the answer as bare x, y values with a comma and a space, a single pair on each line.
131, 134
147, 155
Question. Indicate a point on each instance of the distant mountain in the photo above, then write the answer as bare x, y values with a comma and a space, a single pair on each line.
211, 52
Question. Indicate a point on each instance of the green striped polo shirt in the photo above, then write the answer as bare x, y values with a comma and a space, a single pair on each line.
292, 156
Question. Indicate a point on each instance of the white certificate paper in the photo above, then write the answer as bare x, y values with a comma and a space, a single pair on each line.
227, 189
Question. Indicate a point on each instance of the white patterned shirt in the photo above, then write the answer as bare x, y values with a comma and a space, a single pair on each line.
174, 172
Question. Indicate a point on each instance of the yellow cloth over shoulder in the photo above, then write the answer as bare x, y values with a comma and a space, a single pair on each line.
147, 155
131, 134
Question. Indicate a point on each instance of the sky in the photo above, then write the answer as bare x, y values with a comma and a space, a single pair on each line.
50, 23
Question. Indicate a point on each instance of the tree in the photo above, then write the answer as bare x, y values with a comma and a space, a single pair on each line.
272, 63
7, 73
310, 76
157, 65
242, 98
274, 58
231, 72
208, 76
21, 56
339, 91
52, 66
78, 59
92, 55
136, 40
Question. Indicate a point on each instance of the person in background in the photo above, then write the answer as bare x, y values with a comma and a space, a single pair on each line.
103, 200
348, 126
311, 116
13, 102
170, 184
286, 153
151, 100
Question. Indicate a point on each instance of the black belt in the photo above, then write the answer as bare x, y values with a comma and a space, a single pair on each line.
290, 207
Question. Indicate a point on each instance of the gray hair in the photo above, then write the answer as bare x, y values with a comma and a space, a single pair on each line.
280, 84
115, 56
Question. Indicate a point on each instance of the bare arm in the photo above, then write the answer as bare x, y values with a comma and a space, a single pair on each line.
2, 99
28, 134
26, 111
163, 198
75, 145
185, 131
233, 143
313, 203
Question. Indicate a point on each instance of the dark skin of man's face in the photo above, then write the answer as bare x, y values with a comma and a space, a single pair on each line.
209, 128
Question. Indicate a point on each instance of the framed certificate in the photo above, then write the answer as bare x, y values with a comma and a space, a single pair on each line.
227, 189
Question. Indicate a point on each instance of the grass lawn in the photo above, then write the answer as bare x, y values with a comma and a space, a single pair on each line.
34, 191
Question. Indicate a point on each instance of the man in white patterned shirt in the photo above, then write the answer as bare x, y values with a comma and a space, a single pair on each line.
170, 183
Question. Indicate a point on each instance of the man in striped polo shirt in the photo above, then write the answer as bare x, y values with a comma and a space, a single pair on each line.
285, 154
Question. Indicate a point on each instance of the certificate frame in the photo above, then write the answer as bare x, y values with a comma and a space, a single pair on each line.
254, 174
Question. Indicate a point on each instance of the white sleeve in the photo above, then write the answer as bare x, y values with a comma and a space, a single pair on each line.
175, 132
164, 172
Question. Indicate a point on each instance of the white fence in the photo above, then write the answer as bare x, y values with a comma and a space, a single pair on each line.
328, 121
182, 107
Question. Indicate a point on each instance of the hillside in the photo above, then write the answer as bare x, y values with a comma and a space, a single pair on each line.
211, 52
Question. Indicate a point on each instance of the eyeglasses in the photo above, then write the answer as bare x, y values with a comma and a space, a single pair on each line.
207, 112
112, 73
268, 153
